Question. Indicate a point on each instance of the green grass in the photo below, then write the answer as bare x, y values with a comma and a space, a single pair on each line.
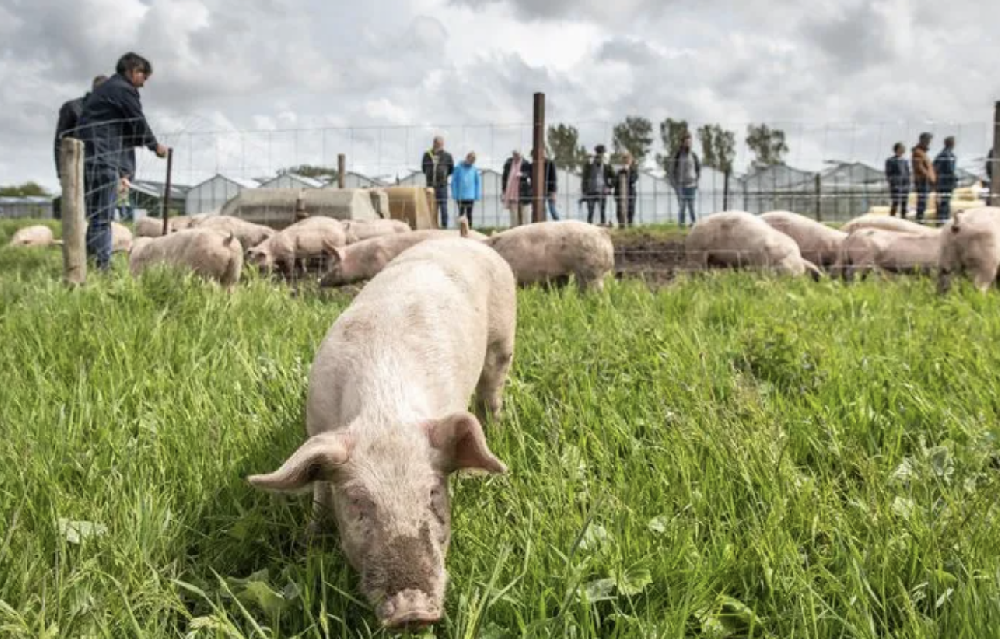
733, 456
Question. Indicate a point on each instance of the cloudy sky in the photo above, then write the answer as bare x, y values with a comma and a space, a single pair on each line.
246, 87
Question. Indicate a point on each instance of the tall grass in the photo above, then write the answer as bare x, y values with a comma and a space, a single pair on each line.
733, 456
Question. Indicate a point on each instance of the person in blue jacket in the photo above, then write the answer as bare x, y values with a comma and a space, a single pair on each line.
897, 174
946, 168
467, 186
111, 125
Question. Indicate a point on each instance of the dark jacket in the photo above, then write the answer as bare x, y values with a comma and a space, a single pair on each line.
69, 115
445, 167
633, 178
551, 182
990, 161
588, 170
946, 170
526, 171
112, 124
897, 173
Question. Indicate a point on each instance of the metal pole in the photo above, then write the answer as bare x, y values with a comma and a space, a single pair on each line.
819, 198
73, 212
166, 188
341, 170
538, 179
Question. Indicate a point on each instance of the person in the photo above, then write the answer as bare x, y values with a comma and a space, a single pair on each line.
597, 177
897, 174
467, 186
629, 176
946, 170
111, 125
990, 161
923, 173
551, 185
438, 166
516, 181
69, 117
685, 172
124, 202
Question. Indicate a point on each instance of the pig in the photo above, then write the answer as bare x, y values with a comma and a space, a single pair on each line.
387, 418
121, 238
740, 239
549, 252
153, 226
818, 243
361, 230
970, 243
293, 246
868, 249
365, 259
35, 235
248, 233
214, 255
887, 223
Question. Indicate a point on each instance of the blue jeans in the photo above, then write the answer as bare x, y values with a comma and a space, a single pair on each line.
923, 189
552, 209
101, 186
944, 204
686, 197
441, 196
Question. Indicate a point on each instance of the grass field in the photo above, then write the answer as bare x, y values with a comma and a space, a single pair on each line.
730, 456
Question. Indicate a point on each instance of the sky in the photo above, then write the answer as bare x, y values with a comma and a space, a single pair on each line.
246, 87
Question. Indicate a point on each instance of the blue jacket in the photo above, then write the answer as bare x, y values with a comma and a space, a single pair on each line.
112, 124
897, 172
466, 182
944, 166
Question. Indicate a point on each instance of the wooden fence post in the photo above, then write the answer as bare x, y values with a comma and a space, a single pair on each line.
725, 191
341, 170
73, 212
538, 166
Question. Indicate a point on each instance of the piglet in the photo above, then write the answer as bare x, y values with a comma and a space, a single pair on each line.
388, 422
312, 237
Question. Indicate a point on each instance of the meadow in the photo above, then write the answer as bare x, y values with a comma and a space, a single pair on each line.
731, 455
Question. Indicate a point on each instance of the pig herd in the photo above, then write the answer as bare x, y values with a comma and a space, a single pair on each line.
387, 410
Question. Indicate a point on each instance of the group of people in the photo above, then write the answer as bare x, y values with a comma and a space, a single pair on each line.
599, 180
109, 120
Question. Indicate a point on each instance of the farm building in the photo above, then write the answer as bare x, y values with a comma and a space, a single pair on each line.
35, 206
214, 192
148, 196
292, 181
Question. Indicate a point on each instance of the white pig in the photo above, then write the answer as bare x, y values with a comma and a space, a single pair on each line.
35, 235
248, 233
214, 255
868, 249
293, 246
366, 259
361, 230
121, 238
544, 252
887, 223
970, 243
818, 243
387, 417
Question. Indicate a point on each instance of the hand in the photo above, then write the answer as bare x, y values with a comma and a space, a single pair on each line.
124, 184
161, 151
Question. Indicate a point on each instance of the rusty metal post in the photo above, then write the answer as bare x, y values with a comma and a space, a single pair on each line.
538, 161
819, 198
725, 191
341, 170
73, 214
166, 188
995, 181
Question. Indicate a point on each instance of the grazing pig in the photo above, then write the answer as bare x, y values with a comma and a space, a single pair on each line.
121, 238
214, 255
360, 230
35, 235
387, 417
248, 233
887, 223
970, 243
818, 243
365, 259
867, 249
153, 226
293, 246
736, 239
549, 252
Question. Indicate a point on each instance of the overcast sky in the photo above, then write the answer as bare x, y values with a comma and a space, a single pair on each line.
248, 86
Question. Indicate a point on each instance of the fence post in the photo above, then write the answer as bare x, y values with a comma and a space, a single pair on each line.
995, 167
73, 212
725, 190
819, 198
166, 188
341, 170
538, 161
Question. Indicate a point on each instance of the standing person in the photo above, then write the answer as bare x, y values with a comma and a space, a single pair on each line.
516, 182
897, 174
551, 185
69, 117
685, 174
923, 173
467, 186
946, 170
111, 125
597, 177
437, 166
124, 203
629, 175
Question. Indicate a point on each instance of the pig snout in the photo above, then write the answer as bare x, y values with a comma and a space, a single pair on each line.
409, 610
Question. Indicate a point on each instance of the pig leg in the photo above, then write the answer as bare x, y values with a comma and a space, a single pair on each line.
489, 391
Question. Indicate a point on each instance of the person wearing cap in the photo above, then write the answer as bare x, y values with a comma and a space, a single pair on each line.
598, 176
923, 173
947, 178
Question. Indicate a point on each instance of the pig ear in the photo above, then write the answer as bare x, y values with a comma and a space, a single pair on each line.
460, 439
316, 460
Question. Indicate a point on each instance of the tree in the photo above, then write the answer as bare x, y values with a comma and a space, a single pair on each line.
635, 135
27, 189
671, 133
309, 171
718, 147
564, 147
767, 144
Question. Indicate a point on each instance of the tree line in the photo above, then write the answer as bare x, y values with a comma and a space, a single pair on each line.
635, 135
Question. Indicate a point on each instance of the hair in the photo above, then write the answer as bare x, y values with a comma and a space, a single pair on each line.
925, 136
898, 145
98, 81
133, 62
